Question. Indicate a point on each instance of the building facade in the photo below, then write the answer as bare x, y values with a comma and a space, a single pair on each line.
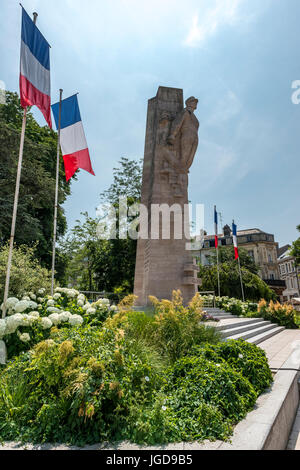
289, 273
261, 246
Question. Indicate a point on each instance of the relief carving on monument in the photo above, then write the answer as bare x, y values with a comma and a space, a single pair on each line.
178, 143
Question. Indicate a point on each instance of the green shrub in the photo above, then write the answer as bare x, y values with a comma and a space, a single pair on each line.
246, 358
27, 275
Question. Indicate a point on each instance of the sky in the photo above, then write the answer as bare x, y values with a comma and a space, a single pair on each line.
238, 57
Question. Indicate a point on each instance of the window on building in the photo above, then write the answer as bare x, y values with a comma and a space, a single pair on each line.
270, 258
272, 277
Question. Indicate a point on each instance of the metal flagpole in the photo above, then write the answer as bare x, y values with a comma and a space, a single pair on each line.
56, 193
240, 271
217, 249
15, 209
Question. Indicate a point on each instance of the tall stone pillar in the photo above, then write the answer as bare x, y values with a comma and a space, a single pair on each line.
163, 262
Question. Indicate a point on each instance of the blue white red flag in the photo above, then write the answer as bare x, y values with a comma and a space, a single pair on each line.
35, 68
235, 243
216, 229
72, 138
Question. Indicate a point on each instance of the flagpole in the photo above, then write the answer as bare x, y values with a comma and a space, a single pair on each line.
218, 269
241, 278
242, 287
56, 193
15, 208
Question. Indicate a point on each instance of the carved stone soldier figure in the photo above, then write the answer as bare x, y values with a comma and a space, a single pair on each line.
185, 126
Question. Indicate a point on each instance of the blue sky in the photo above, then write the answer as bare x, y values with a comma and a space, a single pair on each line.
238, 57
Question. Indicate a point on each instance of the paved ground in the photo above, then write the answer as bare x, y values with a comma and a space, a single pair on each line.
280, 347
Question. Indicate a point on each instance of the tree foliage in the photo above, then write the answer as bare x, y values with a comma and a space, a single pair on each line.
295, 251
27, 275
104, 265
37, 188
255, 289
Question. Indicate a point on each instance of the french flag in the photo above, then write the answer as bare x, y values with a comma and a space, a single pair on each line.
35, 68
235, 243
72, 138
216, 229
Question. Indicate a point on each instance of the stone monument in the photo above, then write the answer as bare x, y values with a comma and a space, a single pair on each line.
165, 263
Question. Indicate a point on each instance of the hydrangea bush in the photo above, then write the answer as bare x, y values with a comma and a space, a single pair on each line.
30, 319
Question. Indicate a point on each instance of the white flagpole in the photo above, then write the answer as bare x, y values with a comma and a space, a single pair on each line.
15, 209
218, 269
56, 194
241, 278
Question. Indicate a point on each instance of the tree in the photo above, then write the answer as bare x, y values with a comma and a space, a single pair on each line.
37, 188
255, 289
104, 265
226, 255
295, 251
26, 273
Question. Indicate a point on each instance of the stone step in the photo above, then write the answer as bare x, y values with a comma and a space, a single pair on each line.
223, 317
264, 336
239, 322
236, 330
255, 332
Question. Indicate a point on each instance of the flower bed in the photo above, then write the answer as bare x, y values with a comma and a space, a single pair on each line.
129, 376
281, 314
30, 319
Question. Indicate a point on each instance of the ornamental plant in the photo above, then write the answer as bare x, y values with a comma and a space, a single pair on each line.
30, 319
93, 384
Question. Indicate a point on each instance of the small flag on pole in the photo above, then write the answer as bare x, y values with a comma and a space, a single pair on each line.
35, 68
235, 243
216, 229
72, 138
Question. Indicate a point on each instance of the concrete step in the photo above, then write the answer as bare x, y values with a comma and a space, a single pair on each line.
223, 317
236, 330
266, 335
255, 332
239, 322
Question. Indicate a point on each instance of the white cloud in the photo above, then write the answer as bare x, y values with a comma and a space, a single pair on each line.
208, 22
226, 108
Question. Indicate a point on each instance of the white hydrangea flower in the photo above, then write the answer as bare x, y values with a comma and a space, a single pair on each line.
75, 320
21, 306
40, 300
11, 302
72, 293
113, 308
46, 323
65, 316
53, 310
34, 314
13, 322
91, 311
50, 303
86, 306
32, 296
25, 338
25, 297
2, 328
32, 304
56, 296
54, 317
41, 291
80, 303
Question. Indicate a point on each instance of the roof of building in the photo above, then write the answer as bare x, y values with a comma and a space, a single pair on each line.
240, 233
283, 250
285, 254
